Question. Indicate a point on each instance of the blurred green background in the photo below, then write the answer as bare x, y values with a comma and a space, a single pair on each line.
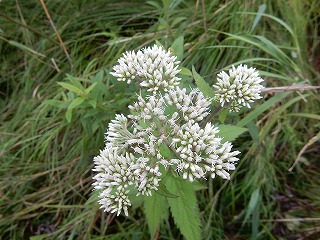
48, 138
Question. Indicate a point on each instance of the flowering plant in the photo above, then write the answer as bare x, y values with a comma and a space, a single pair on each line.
166, 143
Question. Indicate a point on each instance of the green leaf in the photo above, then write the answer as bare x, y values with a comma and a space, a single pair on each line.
202, 84
154, 4
254, 200
199, 186
230, 132
262, 9
177, 47
185, 71
69, 115
89, 89
76, 81
100, 89
223, 115
70, 87
253, 130
260, 109
177, 20
155, 207
53, 102
162, 190
76, 102
25, 48
41, 237
93, 103
184, 209
166, 152
93, 198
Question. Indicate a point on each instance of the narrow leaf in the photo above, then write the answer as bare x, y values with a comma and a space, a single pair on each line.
76, 81
253, 130
262, 9
93, 103
177, 47
93, 198
230, 132
177, 20
202, 84
185, 71
76, 102
70, 87
53, 102
260, 109
254, 200
69, 115
25, 48
184, 209
89, 89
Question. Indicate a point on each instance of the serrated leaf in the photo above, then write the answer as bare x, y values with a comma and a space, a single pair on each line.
76, 102
163, 191
223, 115
202, 84
184, 209
154, 209
70, 87
230, 132
177, 47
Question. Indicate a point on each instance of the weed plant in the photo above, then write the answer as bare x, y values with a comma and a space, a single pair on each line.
46, 146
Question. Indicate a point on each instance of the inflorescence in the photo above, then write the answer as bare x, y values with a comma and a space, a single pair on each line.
240, 88
163, 131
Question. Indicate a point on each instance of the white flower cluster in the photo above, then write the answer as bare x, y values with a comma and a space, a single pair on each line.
154, 67
240, 88
161, 133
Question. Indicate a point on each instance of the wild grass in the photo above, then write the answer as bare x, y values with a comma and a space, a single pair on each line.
46, 161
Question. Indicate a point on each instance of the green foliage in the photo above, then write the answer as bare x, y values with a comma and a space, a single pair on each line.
229, 132
184, 209
202, 84
156, 210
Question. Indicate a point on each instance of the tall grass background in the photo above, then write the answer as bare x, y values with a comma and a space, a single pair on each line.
46, 161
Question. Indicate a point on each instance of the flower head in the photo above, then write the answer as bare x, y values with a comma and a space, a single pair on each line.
200, 151
240, 88
164, 129
155, 68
